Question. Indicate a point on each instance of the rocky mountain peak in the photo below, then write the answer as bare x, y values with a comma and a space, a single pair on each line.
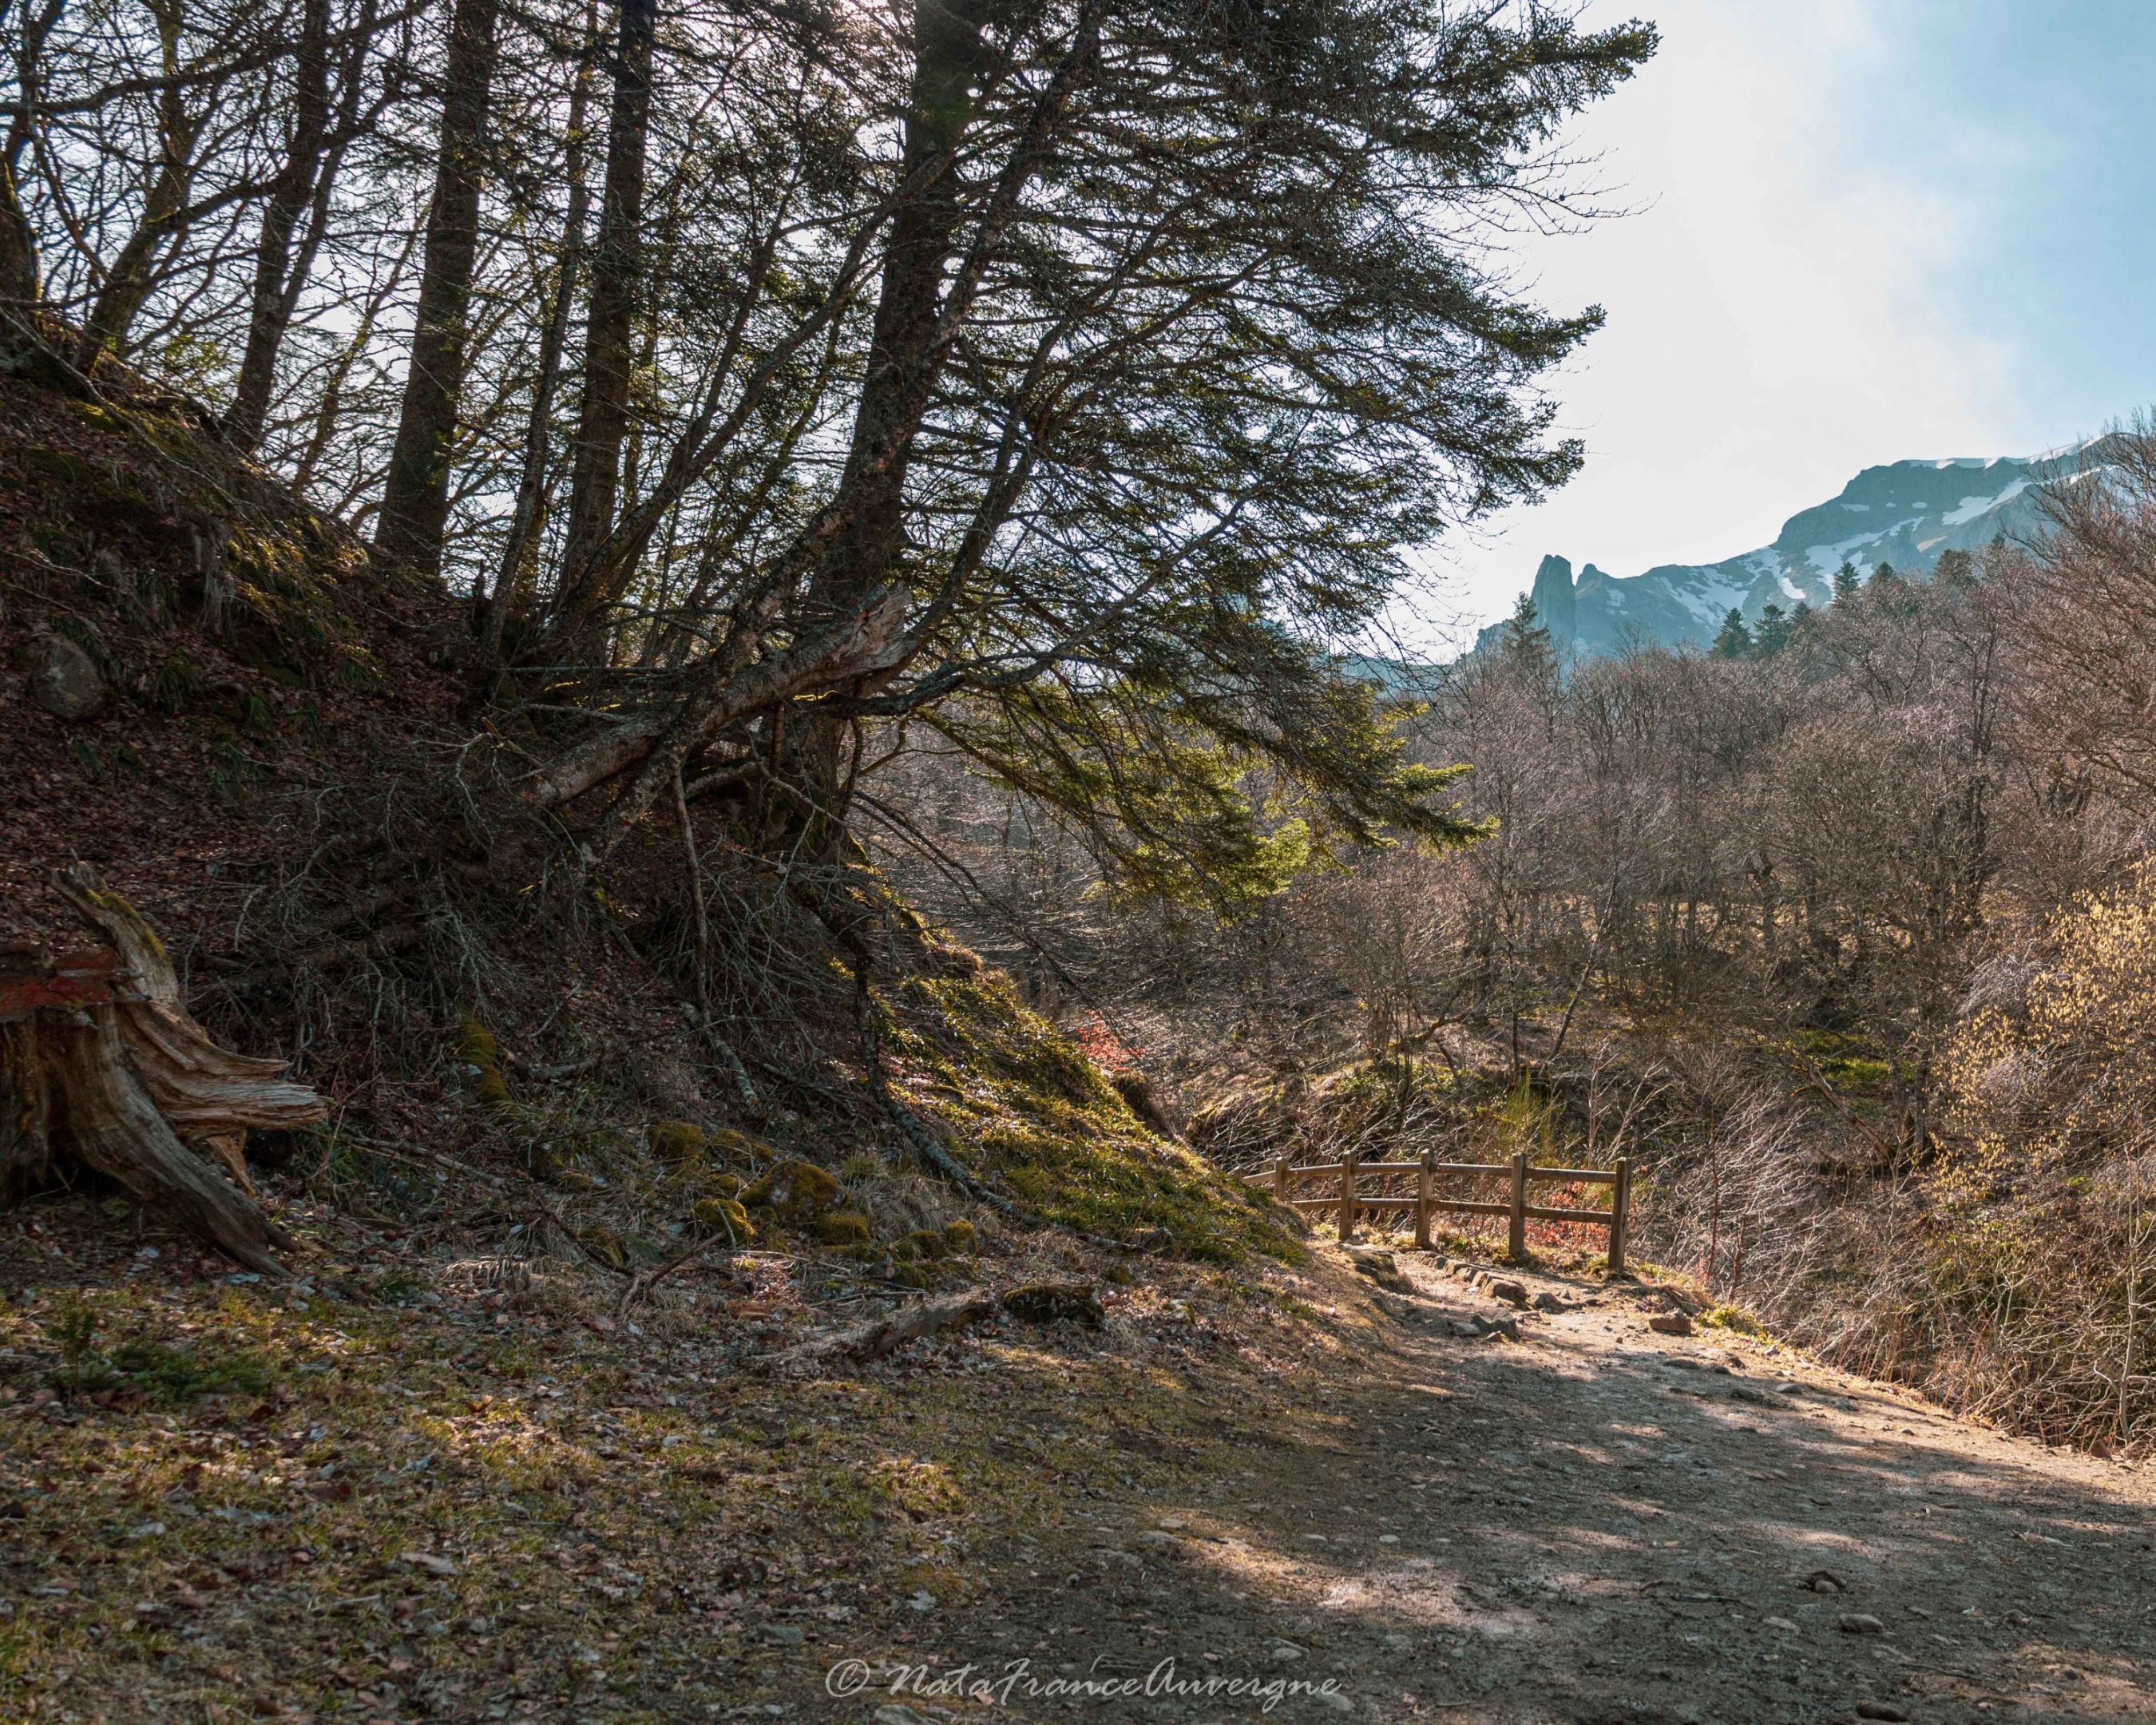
1906, 513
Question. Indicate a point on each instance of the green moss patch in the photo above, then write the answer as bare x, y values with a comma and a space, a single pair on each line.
1029, 1112
483, 1054
797, 1192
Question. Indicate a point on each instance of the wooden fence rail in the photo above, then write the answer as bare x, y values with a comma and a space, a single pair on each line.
1425, 1202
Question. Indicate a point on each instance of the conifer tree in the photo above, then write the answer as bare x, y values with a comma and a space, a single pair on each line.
1847, 583
1526, 633
1735, 639
1773, 634
415, 501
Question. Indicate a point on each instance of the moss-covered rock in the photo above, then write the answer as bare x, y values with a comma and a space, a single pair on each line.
1056, 1302
730, 1144
796, 1192
960, 1235
928, 1243
679, 1144
842, 1228
483, 1054
723, 1216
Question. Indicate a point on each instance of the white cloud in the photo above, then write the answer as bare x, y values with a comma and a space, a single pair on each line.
1780, 310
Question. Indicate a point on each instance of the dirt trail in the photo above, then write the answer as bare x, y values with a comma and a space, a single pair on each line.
1593, 1523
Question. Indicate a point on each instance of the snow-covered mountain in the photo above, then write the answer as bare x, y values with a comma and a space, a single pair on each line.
1905, 514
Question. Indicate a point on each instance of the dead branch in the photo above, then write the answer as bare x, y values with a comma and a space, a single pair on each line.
885, 1335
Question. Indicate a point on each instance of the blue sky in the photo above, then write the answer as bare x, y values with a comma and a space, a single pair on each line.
1859, 233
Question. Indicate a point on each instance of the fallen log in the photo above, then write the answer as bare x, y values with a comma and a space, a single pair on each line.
100, 1061
885, 1335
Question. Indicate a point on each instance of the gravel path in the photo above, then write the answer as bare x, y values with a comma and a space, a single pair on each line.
1593, 1523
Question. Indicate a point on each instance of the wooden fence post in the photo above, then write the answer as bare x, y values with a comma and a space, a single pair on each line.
1517, 1245
1279, 1179
1621, 1205
1424, 1179
1347, 1197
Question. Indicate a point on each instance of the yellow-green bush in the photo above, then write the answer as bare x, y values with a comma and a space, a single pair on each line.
2040, 1250
2062, 1076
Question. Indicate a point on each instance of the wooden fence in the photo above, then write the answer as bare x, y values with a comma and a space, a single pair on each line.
1349, 1202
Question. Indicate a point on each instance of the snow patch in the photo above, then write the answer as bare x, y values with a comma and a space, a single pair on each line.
1827, 558
1710, 599
1972, 507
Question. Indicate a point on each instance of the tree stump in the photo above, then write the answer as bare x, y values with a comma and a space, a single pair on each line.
100, 1061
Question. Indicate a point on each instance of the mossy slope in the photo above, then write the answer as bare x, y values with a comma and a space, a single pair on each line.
1029, 1111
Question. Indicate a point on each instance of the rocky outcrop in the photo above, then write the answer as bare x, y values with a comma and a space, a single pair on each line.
1554, 594
63, 678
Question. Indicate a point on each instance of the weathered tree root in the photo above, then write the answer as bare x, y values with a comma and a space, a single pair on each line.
100, 1060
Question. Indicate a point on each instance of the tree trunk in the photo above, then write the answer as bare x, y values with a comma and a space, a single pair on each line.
514, 579
18, 246
861, 640
903, 355
415, 500
923, 234
617, 282
276, 283
100, 1061
128, 283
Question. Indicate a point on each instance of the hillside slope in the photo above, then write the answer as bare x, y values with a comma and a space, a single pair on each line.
184, 649
266, 746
